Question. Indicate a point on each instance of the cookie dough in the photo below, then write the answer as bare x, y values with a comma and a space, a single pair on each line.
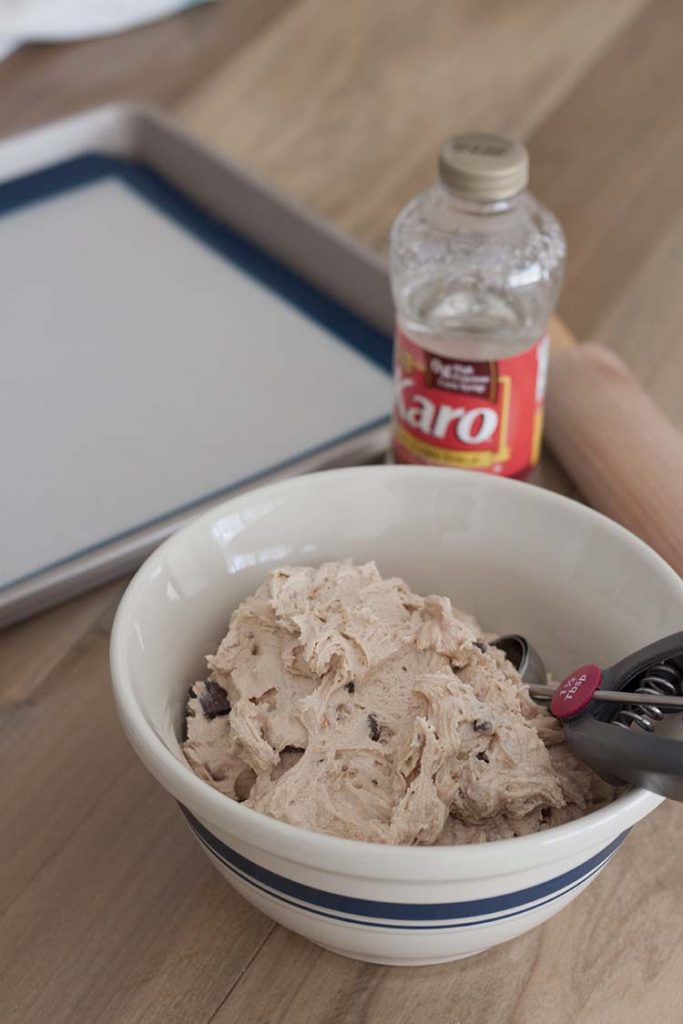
341, 702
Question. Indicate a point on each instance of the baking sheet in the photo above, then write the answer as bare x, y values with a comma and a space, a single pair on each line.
154, 359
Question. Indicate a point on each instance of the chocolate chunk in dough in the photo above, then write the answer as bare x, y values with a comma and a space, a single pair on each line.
375, 728
214, 701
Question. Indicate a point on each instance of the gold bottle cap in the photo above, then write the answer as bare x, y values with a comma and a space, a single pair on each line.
484, 167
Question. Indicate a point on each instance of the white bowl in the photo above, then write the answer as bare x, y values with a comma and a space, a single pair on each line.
522, 559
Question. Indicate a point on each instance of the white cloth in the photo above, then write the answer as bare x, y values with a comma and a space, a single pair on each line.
59, 21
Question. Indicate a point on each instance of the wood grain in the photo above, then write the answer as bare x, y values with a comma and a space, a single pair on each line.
108, 912
30, 651
608, 161
361, 107
156, 63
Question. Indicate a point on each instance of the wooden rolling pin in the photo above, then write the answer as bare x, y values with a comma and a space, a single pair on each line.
623, 455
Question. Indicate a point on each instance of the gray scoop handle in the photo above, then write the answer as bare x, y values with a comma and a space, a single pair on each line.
652, 761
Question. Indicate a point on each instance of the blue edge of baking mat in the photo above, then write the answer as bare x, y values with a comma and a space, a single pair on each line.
152, 187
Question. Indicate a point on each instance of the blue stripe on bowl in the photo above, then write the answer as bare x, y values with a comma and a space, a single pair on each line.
445, 926
336, 906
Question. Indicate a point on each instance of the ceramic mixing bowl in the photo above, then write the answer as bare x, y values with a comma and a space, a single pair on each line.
522, 559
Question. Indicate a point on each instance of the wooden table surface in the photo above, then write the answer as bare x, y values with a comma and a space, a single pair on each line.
108, 911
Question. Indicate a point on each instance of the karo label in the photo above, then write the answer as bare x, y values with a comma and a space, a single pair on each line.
473, 414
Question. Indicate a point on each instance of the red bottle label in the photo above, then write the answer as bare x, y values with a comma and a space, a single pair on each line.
475, 415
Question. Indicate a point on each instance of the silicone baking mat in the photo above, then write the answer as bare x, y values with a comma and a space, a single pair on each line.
152, 358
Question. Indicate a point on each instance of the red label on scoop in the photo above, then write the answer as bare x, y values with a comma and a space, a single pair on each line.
576, 691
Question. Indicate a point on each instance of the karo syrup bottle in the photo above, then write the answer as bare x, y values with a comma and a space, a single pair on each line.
476, 268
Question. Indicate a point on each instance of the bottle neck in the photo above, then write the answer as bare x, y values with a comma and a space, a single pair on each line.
479, 207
